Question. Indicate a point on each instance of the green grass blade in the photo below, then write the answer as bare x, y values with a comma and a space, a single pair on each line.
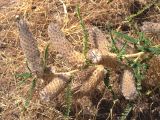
45, 56
155, 50
108, 85
23, 75
122, 51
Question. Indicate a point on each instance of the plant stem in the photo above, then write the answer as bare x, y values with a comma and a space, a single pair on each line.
96, 56
133, 55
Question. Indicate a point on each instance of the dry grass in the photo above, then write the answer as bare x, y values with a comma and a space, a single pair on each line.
39, 13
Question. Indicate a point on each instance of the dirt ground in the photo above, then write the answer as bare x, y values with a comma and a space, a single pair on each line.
100, 13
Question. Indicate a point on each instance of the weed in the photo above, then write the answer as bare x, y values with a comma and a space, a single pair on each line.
139, 70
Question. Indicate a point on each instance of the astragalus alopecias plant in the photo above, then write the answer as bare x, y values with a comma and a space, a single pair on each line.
84, 78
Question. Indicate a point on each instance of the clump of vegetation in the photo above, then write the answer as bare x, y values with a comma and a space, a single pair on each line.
130, 76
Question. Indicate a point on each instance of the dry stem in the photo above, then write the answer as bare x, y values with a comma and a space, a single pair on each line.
109, 59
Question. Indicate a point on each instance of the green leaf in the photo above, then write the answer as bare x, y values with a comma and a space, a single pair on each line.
144, 39
139, 71
23, 76
154, 50
109, 86
45, 56
126, 37
126, 112
113, 47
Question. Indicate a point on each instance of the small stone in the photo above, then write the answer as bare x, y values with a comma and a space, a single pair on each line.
3, 45
59, 56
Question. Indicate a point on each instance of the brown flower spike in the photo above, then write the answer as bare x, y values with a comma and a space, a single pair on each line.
30, 49
56, 86
63, 46
128, 85
94, 80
